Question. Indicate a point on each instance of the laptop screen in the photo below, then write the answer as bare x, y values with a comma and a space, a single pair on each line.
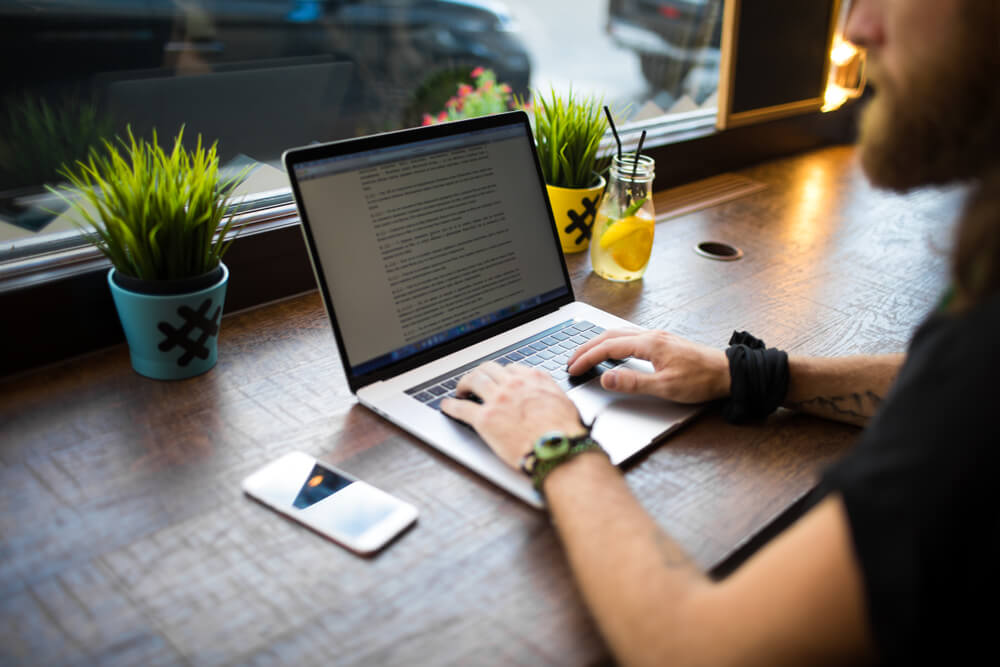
427, 236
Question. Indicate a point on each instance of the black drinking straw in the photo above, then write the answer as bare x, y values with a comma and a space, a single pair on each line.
613, 130
635, 166
638, 152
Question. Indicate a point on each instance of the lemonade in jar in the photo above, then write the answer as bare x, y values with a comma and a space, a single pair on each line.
623, 231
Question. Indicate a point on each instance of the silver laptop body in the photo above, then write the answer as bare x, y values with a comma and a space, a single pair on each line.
434, 249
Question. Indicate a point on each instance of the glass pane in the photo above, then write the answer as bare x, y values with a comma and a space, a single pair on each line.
260, 76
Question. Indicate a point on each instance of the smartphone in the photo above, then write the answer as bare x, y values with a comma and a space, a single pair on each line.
336, 505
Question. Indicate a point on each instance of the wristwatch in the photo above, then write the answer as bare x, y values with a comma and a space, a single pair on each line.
552, 449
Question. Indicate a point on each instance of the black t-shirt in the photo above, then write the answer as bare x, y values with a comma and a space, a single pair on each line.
921, 493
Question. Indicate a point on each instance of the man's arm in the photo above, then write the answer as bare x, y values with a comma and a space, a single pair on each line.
847, 389
798, 601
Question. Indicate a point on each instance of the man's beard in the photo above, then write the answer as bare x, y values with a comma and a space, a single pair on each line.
943, 123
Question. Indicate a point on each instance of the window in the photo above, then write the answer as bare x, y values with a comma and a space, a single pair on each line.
259, 76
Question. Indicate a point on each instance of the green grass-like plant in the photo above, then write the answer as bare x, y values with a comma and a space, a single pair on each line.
568, 132
155, 215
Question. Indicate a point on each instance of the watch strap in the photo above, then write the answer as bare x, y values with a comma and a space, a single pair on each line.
582, 444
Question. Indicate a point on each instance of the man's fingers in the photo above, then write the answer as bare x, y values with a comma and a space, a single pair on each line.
460, 409
616, 347
627, 381
481, 381
589, 345
597, 340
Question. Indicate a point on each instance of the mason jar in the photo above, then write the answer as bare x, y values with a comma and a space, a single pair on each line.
622, 240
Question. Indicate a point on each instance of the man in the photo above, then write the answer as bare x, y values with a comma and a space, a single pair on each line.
889, 564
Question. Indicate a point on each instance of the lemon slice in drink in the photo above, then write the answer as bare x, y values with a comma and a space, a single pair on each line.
630, 241
623, 228
632, 252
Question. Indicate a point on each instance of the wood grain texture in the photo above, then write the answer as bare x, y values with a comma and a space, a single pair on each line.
126, 537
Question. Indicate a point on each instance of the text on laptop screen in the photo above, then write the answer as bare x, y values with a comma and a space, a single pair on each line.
426, 241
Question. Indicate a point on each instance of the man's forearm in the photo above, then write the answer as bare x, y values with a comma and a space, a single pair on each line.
635, 579
846, 389
797, 601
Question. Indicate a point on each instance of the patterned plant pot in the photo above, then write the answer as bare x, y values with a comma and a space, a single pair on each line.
575, 210
171, 336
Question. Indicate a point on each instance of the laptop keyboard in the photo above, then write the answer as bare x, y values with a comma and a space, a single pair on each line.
548, 351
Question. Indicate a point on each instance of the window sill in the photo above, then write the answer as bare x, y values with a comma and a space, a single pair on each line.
60, 256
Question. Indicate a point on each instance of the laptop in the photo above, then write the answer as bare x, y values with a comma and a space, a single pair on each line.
435, 249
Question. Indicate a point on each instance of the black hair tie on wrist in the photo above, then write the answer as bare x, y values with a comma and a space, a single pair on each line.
759, 378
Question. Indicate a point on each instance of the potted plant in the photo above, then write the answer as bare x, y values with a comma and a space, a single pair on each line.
157, 216
568, 132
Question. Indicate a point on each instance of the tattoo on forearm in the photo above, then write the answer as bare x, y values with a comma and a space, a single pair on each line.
673, 556
858, 406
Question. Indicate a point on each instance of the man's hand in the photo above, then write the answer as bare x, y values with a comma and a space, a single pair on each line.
519, 405
685, 372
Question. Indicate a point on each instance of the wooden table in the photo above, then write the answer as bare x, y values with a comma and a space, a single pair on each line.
126, 538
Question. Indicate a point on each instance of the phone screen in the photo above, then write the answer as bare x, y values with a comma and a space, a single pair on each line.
366, 510
347, 510
319, 484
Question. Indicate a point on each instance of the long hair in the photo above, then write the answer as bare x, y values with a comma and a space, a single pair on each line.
975, 261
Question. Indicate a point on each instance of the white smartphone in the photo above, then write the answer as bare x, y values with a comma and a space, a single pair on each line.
350, 512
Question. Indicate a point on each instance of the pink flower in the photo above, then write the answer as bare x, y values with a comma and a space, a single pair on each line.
443, 116
487, 85
476, 73
504, 88
427, 120
464, 89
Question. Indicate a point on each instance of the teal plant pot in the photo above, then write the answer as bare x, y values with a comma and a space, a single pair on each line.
171, 336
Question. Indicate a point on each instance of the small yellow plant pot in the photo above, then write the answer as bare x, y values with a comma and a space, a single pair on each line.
575, 210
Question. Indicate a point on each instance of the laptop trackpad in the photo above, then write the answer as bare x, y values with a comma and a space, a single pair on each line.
627, 423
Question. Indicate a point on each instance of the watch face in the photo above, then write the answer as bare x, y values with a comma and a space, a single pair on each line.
552, 446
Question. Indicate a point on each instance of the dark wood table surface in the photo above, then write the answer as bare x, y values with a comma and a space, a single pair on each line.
125, 537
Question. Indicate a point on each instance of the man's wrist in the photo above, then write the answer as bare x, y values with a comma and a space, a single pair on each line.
759, 378
723, 378
574, 432
573, 470
552, 450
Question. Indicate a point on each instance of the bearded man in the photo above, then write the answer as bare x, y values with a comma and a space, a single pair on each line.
890, 562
